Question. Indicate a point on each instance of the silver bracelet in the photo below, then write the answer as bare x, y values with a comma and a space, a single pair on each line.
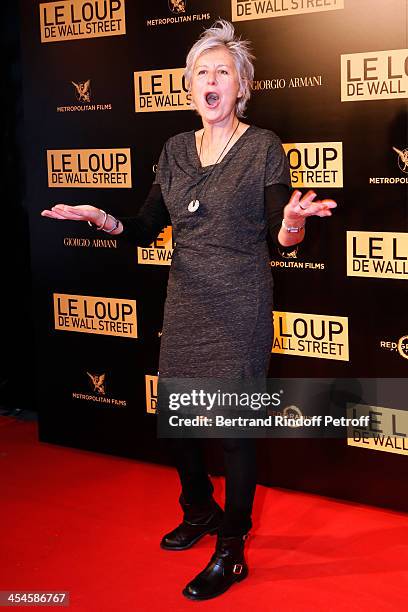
115, 227
104, 221
292, 229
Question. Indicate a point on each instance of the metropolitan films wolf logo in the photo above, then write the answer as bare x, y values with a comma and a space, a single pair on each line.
97, 393
177, 6
291, 255
402, 159
97, 383
82, 91
291, 260
180, 15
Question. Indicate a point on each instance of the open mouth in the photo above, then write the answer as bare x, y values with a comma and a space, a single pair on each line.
212, 99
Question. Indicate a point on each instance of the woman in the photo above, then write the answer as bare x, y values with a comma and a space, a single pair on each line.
222, 189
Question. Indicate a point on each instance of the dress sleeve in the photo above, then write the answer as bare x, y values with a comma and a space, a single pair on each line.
152, 217
277, 165
277, 192
163, 171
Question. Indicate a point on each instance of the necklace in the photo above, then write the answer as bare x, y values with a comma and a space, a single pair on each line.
195, 202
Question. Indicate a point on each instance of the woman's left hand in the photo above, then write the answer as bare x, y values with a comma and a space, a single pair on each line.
298, 207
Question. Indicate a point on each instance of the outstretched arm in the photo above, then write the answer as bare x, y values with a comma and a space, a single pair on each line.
141, 229
293, 210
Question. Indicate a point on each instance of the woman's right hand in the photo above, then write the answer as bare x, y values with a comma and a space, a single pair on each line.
75, 213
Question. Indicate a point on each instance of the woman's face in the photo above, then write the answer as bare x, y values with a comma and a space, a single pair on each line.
215, 86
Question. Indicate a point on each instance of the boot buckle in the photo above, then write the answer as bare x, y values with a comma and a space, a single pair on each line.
237, 569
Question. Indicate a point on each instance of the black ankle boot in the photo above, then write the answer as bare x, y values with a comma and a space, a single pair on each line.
226, 566
198, 520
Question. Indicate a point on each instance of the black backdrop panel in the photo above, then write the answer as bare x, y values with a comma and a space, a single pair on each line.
97, 390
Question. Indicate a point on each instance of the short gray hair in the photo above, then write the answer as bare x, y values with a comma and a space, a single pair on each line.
222, 34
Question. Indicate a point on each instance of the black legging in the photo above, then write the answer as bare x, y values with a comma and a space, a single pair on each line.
240, 478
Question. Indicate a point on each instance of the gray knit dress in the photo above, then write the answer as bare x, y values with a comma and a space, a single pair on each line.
218, 312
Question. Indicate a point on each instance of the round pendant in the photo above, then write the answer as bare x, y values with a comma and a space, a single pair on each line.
194, 204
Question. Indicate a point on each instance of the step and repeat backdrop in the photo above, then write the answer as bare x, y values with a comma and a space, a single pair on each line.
103, 91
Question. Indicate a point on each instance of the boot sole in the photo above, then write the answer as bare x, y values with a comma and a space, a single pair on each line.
213, 531
194, 598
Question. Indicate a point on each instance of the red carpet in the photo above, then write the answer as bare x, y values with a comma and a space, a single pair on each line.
91, 524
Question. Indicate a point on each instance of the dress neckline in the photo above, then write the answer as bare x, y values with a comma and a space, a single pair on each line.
235, 146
